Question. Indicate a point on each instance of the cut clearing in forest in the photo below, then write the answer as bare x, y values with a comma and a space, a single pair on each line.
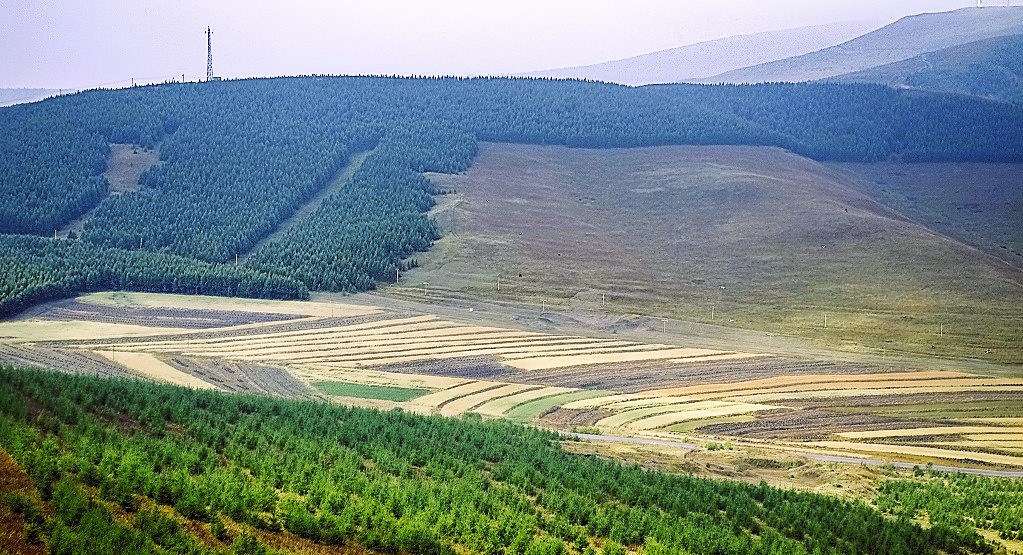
313, 204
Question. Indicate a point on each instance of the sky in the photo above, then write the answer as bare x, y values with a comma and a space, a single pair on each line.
92, 43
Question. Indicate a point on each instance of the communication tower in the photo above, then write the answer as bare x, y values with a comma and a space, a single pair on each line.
209, 54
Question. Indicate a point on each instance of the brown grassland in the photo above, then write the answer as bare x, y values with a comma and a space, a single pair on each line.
746, 237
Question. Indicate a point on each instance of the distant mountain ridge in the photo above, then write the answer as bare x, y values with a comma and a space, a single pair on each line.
906, 38
710, 58
10, 97
989, 68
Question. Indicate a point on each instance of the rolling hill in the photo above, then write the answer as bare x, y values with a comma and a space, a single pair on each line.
904, 39
990, 68
710, 58
744, 236
231, 175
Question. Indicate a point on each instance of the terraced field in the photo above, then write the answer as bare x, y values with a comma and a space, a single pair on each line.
422, 362
392, 341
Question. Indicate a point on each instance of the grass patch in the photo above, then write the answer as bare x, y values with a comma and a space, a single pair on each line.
532, 409
366, 391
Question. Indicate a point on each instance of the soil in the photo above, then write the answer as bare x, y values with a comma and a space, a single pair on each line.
14, 480
72, 309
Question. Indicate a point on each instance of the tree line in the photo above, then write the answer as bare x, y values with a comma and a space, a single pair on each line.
34, 270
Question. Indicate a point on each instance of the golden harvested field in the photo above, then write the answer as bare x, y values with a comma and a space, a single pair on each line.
879, 391
43, 330
375, 377
151, 367
668, 419
468, 402
935, 431
615, 383
441, 398
391, 341
604, 401
809, 379
547, 363
626, 416
498, 407
155, 300
640, 403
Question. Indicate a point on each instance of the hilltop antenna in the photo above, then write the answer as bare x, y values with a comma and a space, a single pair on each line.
209, 53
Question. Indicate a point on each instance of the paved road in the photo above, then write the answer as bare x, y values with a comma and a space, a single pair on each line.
811, 456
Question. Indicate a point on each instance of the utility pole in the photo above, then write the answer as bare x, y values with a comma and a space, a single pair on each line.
396, 275
235, 259
825, 320
603, 299
498, 283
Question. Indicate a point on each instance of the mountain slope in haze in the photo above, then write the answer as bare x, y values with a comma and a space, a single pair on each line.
10, 97
904, 39
990, 68
705, 59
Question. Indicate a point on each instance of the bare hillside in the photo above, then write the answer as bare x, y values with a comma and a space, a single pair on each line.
744, 236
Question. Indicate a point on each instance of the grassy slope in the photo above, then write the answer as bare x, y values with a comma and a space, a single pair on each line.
906, 38
748, 237
990, 68
981, 204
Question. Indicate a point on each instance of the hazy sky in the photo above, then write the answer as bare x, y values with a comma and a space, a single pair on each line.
88, 43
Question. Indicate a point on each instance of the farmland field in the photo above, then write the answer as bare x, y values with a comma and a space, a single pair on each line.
754, 396
367, 391
745, 237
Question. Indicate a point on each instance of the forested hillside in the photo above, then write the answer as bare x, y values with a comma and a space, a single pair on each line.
239, 157
135, 467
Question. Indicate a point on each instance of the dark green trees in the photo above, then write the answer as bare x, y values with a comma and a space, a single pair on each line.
240, 157
402, 483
